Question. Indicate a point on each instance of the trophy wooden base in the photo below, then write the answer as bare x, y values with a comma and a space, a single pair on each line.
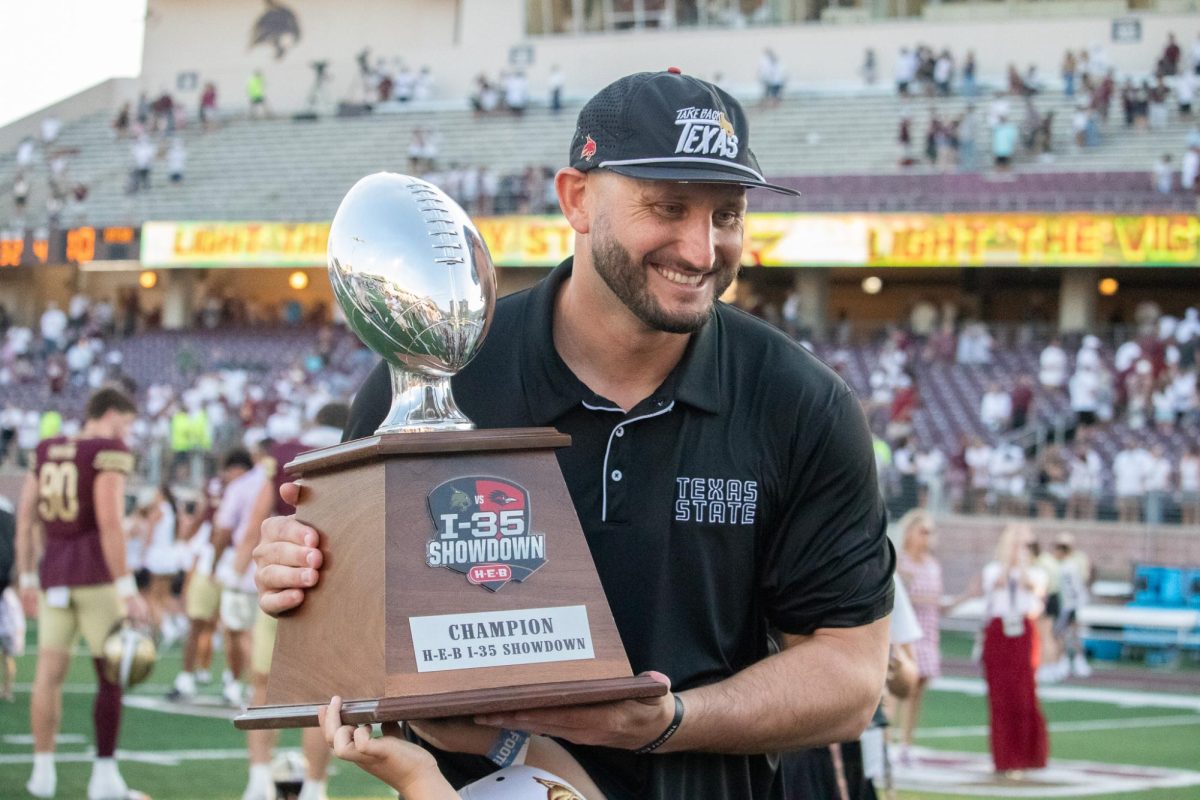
418, 615
458, 704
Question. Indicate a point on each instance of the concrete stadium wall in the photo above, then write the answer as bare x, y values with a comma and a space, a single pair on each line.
965, 544
460, 39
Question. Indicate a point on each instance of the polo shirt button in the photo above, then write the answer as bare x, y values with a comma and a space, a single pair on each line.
620, 432
616, 474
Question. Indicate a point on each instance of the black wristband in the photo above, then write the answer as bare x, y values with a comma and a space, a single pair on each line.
668, 733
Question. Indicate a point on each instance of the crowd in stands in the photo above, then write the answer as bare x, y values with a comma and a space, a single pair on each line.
1094, 432
197, 394
393, 80
66, 192
1015, 126
1099, 432
479, 189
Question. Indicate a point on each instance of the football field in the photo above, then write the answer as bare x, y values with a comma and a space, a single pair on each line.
1106, 742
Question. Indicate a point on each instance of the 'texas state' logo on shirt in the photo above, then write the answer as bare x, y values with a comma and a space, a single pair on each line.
716, 501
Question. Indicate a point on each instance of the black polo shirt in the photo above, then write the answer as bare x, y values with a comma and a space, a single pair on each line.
738, 498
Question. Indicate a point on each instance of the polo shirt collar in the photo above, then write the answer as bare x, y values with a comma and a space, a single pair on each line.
552, 389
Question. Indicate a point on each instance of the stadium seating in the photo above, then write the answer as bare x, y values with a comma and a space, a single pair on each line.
840, 149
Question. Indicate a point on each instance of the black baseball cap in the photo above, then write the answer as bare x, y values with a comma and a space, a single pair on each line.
667, 126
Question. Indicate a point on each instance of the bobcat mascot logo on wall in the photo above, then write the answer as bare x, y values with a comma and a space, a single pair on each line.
277, 27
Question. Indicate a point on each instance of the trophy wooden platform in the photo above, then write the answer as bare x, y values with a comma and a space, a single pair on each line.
398, 638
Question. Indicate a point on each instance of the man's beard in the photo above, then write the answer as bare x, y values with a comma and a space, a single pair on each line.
628, 280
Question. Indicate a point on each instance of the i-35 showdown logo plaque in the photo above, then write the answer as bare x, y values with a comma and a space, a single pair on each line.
482, 529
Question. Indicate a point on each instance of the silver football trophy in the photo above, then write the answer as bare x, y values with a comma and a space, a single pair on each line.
417, 286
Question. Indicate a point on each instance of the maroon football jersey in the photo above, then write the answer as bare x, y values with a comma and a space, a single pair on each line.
66, 471
282, 453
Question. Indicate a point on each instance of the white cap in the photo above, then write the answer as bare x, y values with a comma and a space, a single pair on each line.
521, 782
1091, 341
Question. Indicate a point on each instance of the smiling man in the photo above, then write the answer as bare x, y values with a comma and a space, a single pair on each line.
723, 476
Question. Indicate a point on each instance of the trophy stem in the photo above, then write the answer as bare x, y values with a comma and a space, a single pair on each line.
422, 403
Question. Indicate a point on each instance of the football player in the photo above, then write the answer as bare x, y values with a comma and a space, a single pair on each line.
75, 496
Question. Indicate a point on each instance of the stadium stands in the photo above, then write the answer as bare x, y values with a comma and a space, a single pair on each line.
840, 149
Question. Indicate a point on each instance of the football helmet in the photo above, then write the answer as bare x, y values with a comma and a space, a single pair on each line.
129, 655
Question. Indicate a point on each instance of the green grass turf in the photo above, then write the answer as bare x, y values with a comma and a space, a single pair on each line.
142, 730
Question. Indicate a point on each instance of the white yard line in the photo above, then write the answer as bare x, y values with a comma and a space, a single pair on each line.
164, 757
1066, 727
972, 775
1116, 697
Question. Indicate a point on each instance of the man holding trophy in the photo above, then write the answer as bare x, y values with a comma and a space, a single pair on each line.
722, 475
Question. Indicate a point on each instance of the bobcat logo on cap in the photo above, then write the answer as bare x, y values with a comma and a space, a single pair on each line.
589, 149
726, 125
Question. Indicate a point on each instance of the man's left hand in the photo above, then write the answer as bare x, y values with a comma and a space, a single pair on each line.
623, 724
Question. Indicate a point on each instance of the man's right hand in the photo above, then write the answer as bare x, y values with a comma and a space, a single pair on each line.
137, 610
29, 602
287, 559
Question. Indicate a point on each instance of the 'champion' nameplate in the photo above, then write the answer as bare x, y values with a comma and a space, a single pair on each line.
501, 638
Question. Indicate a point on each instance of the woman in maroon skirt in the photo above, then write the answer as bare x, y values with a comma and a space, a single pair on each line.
1013, 590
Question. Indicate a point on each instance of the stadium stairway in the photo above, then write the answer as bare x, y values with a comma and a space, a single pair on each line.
287, 170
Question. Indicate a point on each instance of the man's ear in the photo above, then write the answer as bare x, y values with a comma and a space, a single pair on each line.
571, 185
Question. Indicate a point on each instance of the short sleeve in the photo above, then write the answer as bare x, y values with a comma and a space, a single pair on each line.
228, 514
828, 563
905, 629
113, 457
371, 404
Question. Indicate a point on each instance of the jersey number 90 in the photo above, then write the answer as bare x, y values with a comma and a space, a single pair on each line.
58, 488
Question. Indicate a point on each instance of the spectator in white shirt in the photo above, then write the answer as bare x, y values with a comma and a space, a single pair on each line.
1052, 372
1126, 356
904, 459
1129, 477
1157, 483
516, 92
996, 409
77, 311
1006, 469
51, 127
1189, 169
1084, 388
1088, 356
906, 70
978, 456
1163, 175
28, 436
53, 326
1085, 479
176, 160
931, 467
1184, 395
1189, 485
